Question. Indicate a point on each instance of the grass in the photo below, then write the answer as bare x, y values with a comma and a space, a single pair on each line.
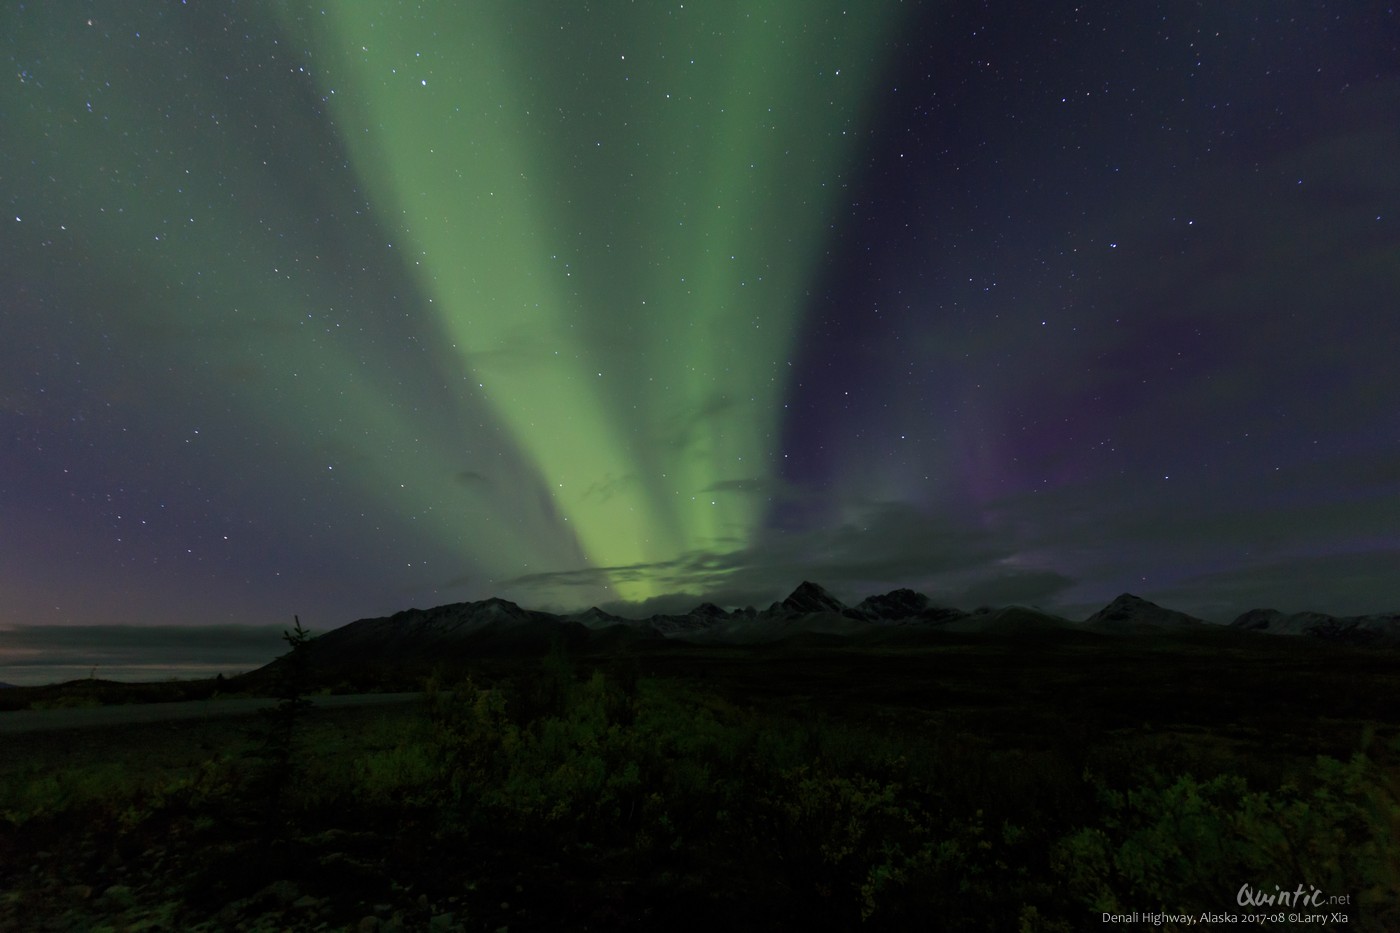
972, 784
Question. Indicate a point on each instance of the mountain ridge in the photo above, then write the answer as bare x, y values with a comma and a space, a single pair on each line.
809, 608
412, 642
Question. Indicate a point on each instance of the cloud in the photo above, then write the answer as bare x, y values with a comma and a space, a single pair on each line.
1132, 535
609, 486
879, 547
753, 487
687, 428
514, 348
1023, 587
471, 479
1360, 583
1069, 548
669, 604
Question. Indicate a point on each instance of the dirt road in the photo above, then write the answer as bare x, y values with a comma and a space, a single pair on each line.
49, 720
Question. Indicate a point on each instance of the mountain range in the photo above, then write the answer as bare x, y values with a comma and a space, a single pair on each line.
500, 628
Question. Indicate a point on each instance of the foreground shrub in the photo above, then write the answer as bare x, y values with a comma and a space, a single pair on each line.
628, 800
1195, 844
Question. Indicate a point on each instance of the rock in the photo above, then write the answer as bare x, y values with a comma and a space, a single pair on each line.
1133, 610
893, 606
809, 598
593, 617
280, 893
1372, 629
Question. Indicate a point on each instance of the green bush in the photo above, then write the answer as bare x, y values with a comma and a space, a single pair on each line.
1180, 841
38, 795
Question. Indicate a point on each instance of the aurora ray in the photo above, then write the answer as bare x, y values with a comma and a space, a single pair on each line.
589, 215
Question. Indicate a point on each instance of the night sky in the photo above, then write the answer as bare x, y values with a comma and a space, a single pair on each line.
336, 311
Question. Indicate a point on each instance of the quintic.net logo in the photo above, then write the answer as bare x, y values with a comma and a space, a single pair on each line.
1301, 896
1303, 904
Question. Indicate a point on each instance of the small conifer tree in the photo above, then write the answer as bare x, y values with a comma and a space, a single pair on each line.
281, 721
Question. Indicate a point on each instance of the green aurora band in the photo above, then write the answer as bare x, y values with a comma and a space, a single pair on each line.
610, 219
614, 218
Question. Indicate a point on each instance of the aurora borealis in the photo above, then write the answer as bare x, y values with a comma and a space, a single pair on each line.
337, 310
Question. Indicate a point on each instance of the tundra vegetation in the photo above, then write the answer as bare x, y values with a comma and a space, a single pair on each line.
971, 785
